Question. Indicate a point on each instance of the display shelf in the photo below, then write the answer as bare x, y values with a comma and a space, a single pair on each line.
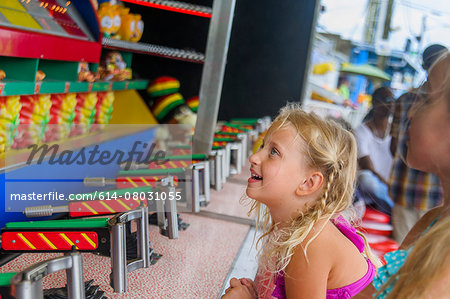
17, 158
9, 87
150, 49
175, 6
47, 46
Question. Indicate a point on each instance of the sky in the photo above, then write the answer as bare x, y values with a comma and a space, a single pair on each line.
347, 17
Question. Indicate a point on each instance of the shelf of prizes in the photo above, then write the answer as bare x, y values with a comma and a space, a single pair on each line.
103, 196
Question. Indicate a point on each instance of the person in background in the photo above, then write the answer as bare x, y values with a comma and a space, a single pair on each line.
304, 174
414, 192
374, 157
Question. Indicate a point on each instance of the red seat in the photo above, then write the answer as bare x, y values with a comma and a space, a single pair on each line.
376, 228
374, 215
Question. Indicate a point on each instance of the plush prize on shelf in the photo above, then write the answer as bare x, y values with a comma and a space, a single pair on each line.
34, 119
9, 120
193, 103
104, 107
2, 75
62, 114
163, 86
84, 112
40, 75
117, 21
138, 28
106, 14
84, 74
131, 25
127, 24
172, 109
114, 68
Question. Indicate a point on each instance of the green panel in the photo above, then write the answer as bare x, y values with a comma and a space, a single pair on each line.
236, 126
79, 87
141, 172
93, 67
9, 88
121, 85
20, 69
70, 223
5, 278
138, 84
245, 120
182, 147
186, 157
52, 87
223, 139
215, 148
100, 86
227, 133
127, 57
13, 87
59, 70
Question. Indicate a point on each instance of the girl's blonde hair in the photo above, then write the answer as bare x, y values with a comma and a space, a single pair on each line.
330, 149
427, 262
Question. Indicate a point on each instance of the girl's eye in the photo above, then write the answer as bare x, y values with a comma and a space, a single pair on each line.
273, 151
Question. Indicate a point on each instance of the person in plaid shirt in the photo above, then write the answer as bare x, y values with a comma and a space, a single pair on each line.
414, 192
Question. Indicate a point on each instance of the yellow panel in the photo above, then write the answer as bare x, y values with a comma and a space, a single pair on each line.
19, 18
130, 108
14, 4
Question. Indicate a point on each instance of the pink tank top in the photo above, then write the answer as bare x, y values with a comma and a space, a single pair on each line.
347, 291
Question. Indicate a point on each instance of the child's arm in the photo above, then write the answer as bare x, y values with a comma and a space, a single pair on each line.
309, 280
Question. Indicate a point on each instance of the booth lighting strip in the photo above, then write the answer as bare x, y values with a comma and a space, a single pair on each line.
156, 50
176, 6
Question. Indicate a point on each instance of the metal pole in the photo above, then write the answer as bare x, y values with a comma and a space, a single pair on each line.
75, 279
213, 73
118, 258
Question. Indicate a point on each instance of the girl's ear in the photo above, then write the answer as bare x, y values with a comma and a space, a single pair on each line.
310, 184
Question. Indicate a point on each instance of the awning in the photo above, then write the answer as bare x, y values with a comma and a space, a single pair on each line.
365, 70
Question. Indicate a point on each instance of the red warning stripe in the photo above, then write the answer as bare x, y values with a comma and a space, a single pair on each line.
219, 143
231, 130
102, 207
140, 181
170, 164
223, 136
44, 240
182, 152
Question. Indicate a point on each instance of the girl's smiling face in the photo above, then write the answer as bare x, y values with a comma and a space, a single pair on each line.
278, 168
429, 132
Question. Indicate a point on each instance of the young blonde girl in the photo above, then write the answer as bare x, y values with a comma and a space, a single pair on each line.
302, 178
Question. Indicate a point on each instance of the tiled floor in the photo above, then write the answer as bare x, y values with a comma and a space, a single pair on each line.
228, 200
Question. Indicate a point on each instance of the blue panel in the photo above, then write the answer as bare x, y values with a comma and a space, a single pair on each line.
56, 179
89, 16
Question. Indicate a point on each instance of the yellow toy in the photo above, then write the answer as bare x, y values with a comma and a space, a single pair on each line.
128, 24
138, 28
116, 18
106, 17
